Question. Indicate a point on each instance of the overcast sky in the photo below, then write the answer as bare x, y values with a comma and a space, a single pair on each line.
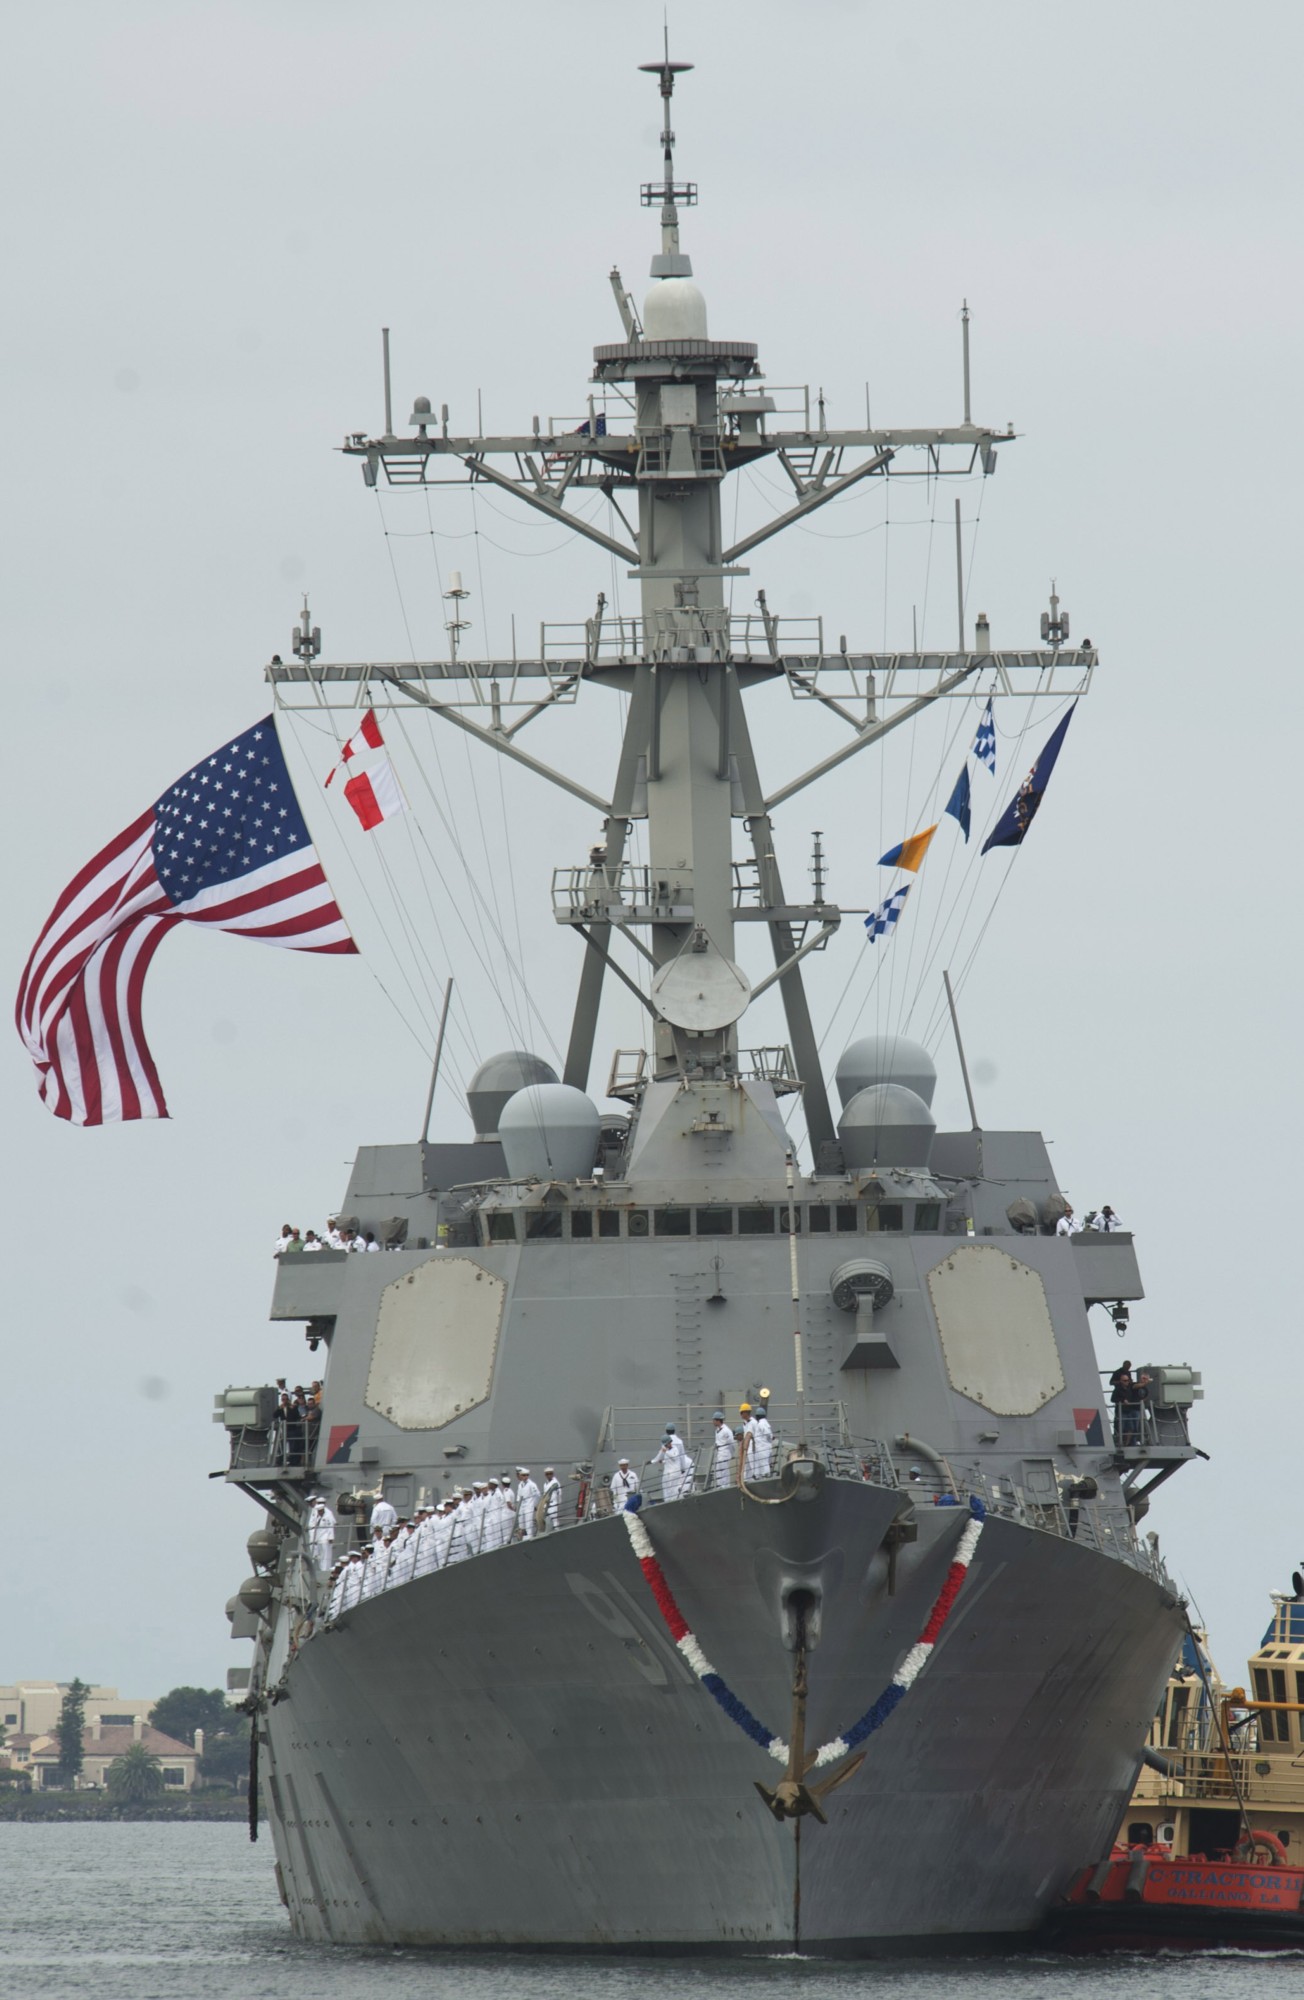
212, 210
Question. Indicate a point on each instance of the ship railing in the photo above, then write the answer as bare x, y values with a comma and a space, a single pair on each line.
281, 1447
1092, 1523
1209, 1774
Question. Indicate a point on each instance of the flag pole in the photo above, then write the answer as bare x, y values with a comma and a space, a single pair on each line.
434, 1073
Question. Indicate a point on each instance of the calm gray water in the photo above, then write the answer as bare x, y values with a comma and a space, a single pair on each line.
190, 1913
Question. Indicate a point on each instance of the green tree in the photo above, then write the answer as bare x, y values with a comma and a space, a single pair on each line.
185, 1709
226, 1757
134, 1777
69, 1729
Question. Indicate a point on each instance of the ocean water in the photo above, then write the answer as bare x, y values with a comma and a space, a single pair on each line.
151, 1912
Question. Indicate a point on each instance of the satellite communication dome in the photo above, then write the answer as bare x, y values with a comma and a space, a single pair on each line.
498, 1079
886, 1126
674, 309
549, 1132
885, 1059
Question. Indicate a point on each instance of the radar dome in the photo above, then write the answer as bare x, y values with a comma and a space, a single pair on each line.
886, 1126
498, 1079
674, 309
549, 1132
885, 1059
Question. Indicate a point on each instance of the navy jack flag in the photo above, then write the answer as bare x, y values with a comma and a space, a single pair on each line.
225, 846
1018, 816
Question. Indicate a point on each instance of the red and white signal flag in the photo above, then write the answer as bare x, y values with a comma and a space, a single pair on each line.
373, 793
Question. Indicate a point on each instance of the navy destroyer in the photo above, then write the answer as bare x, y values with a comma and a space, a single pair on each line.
870, 1663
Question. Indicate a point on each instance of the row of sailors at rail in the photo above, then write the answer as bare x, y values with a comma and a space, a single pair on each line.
467, 1522
489, 1515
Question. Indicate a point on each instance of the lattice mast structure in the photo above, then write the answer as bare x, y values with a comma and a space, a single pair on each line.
674, 413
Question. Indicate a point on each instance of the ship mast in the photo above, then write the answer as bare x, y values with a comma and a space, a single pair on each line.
687, 764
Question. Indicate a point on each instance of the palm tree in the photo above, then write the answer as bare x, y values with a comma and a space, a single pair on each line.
135, 1776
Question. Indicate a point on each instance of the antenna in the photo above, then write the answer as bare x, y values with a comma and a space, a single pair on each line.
389, 406
434, 1073
668, 194
455, 624
964, 1067
959, 577
964, 335
305, 637
1054, 623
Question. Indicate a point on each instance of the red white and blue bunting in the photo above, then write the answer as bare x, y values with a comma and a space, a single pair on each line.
877, 1713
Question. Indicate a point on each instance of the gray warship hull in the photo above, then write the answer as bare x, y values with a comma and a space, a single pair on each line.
512, 1753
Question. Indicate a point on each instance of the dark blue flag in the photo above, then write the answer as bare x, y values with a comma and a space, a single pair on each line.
958, 803
1022, 809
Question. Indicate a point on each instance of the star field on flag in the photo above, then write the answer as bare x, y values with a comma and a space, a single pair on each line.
226, 846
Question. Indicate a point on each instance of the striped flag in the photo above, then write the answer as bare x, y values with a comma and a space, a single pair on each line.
225, 846
882, 921
366, 738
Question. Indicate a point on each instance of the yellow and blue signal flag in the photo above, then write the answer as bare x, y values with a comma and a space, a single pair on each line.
908, 853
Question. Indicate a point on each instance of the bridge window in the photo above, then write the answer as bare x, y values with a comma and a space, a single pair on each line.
847, 1216
502, 1226
581, 1223
928, 1215
637, 1224
1140, 1834
756, 1222
818, 1219
885, 1215
715, 1222
543, 1224
608, 1222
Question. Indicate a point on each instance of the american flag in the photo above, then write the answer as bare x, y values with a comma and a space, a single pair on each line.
227, 846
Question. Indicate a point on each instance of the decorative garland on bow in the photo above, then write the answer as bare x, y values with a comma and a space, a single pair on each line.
877, 1713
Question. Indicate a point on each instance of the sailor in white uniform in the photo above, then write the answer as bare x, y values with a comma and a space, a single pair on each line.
354, 1576
507, 1509
551, 1500
1107, 1220
477, 1511
527, 1502
676, 1465
762, 1445
424, 1560
384, 1515
726, 1448
338, 1576
377, 1569
321, 1534
624, 1482
1068, 1225
403, 1555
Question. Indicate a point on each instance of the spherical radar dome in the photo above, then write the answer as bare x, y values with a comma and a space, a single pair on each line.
549, 1132
498, 1079
886, 1126
674, 309
885, 1059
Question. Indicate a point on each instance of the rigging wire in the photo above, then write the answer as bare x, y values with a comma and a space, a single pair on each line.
426, 1046
476, 898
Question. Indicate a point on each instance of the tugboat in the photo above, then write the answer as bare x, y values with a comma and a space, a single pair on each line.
1212, 1850
884, 1597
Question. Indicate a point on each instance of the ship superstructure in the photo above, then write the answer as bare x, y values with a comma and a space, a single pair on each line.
518, 1748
